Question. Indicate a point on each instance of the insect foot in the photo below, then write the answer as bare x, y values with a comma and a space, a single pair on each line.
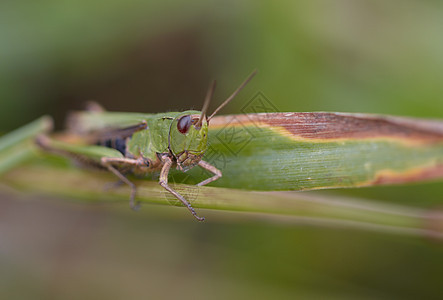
135, 206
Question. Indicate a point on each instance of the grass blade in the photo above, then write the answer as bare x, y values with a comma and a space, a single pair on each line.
17, 146
287, 207
305, 151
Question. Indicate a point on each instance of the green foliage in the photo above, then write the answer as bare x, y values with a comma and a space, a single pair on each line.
155, 56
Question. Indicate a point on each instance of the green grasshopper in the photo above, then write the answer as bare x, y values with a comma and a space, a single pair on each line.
139, 144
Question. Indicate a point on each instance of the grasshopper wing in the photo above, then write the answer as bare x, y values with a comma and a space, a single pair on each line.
85, 122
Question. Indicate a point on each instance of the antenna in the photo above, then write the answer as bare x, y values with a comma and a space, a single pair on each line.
233, 94
206, 103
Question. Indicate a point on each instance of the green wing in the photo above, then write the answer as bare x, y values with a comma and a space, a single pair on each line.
85, 122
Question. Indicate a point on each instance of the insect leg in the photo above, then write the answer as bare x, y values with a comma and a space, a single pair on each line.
207, 166
113, 185
164, 183
108, 163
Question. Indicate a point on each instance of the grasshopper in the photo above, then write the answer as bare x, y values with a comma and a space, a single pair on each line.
125, 143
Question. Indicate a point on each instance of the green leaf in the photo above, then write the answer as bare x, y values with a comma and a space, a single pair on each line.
18, 145
283, 151
305, 151
289, 207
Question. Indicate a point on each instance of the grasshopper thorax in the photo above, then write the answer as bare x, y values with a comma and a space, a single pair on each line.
188, 138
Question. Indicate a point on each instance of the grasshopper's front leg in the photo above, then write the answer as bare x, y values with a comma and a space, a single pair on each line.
164, 183
207, 166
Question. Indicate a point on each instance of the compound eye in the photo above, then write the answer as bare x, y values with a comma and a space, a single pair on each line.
184, 123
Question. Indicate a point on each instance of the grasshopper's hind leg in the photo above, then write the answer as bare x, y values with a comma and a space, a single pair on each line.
87, 156
164, 183
108, 162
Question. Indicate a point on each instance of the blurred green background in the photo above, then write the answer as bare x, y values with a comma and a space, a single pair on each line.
153, 56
